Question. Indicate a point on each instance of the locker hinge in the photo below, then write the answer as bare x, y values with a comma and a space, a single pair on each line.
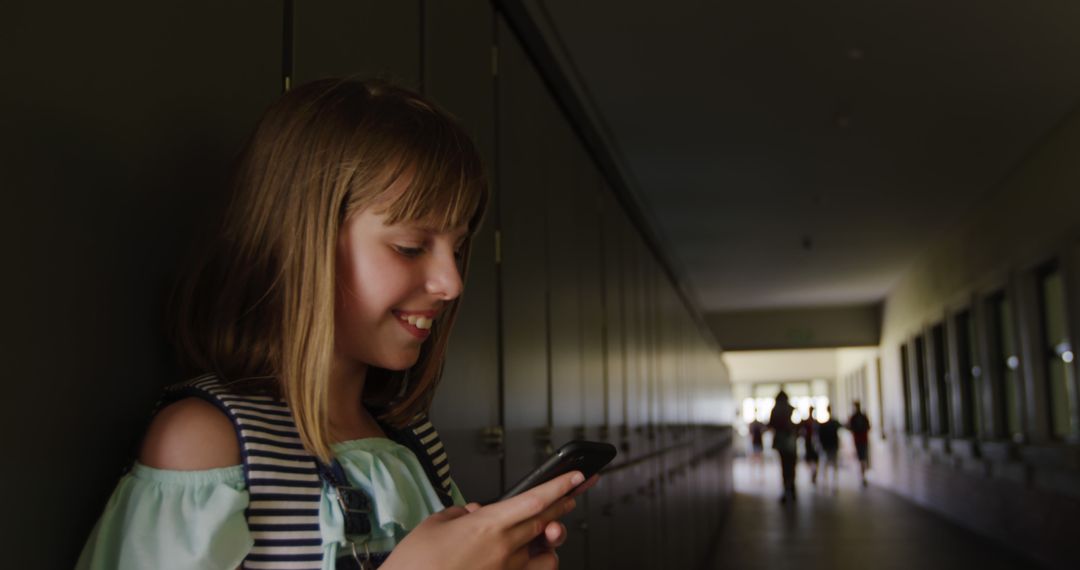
494, 61
498, 247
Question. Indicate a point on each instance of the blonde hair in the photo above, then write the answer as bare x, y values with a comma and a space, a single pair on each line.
259, 310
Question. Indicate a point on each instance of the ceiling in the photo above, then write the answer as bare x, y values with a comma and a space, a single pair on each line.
803, 154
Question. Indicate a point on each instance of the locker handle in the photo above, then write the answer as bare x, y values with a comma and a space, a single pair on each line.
492, 438
543, 438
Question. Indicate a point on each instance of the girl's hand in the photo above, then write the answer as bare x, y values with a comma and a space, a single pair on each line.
496, 536
555, 533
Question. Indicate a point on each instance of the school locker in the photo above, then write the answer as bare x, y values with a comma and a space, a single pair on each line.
458, 41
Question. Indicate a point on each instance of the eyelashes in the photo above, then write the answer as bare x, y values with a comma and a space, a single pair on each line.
413, 252
409, 251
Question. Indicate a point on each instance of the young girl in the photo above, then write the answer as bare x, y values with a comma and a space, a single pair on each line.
319, 324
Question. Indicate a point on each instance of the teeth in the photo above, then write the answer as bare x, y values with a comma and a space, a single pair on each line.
422, 323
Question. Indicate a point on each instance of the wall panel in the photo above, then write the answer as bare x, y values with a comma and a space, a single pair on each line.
119, 129
458, 75
367, 38
525, 116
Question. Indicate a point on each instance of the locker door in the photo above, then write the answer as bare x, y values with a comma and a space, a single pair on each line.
614, 305
565, 237
458, 76
357, 37
636, 373
590, 302
597, 373
567, 206
524, 117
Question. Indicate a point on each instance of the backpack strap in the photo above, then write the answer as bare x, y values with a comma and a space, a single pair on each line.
422, 439
282, 478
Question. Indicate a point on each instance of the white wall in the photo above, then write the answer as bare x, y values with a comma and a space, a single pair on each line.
1031, 216
781, 365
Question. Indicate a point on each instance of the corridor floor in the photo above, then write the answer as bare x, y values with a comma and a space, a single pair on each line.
849, 528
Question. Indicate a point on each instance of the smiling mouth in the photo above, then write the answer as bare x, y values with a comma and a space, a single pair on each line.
419, 325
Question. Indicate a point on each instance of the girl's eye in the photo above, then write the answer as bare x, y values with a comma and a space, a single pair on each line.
409, 251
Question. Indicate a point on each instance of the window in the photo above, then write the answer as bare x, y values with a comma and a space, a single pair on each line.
969, 374
905, 375
1056, 351
1006, 364
880, 397
941, 380
924, 393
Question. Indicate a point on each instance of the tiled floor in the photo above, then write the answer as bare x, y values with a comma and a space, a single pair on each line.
847, 528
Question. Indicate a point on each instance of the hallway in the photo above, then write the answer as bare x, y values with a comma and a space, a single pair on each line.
853, 528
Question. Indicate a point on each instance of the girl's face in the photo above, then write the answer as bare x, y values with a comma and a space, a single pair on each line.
393, 282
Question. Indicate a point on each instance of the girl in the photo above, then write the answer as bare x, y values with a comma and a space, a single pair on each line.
320, 324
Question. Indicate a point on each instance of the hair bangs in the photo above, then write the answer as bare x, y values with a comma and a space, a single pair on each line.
446, 188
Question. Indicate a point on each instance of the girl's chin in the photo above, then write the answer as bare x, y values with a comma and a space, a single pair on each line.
399, 362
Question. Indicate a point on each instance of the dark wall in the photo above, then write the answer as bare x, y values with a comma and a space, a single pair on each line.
119, 123
120, 126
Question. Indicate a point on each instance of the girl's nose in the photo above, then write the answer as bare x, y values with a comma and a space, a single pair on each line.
444, 280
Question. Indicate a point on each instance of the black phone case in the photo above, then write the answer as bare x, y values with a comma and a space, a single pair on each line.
589, 457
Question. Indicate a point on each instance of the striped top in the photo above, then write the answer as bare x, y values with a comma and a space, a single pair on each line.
282, 478
287, 513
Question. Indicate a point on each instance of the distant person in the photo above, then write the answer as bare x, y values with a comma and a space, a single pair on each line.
859, 425
808, 429
784, 443
829, 440
757, 442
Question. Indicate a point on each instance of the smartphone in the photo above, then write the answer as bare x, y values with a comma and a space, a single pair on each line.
589, 457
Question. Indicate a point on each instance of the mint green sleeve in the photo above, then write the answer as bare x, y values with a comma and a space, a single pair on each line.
459, 499
166, 519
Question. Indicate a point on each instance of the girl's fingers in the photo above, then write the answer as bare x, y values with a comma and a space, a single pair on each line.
534, 501
525, 531
554, 534
585, 486
472, 507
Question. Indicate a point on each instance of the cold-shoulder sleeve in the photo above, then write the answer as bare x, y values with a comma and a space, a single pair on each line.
172, 519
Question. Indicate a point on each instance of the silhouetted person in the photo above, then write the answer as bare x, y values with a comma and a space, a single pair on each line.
757, 441
784, 443
808, 429
829, 439
859, 425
